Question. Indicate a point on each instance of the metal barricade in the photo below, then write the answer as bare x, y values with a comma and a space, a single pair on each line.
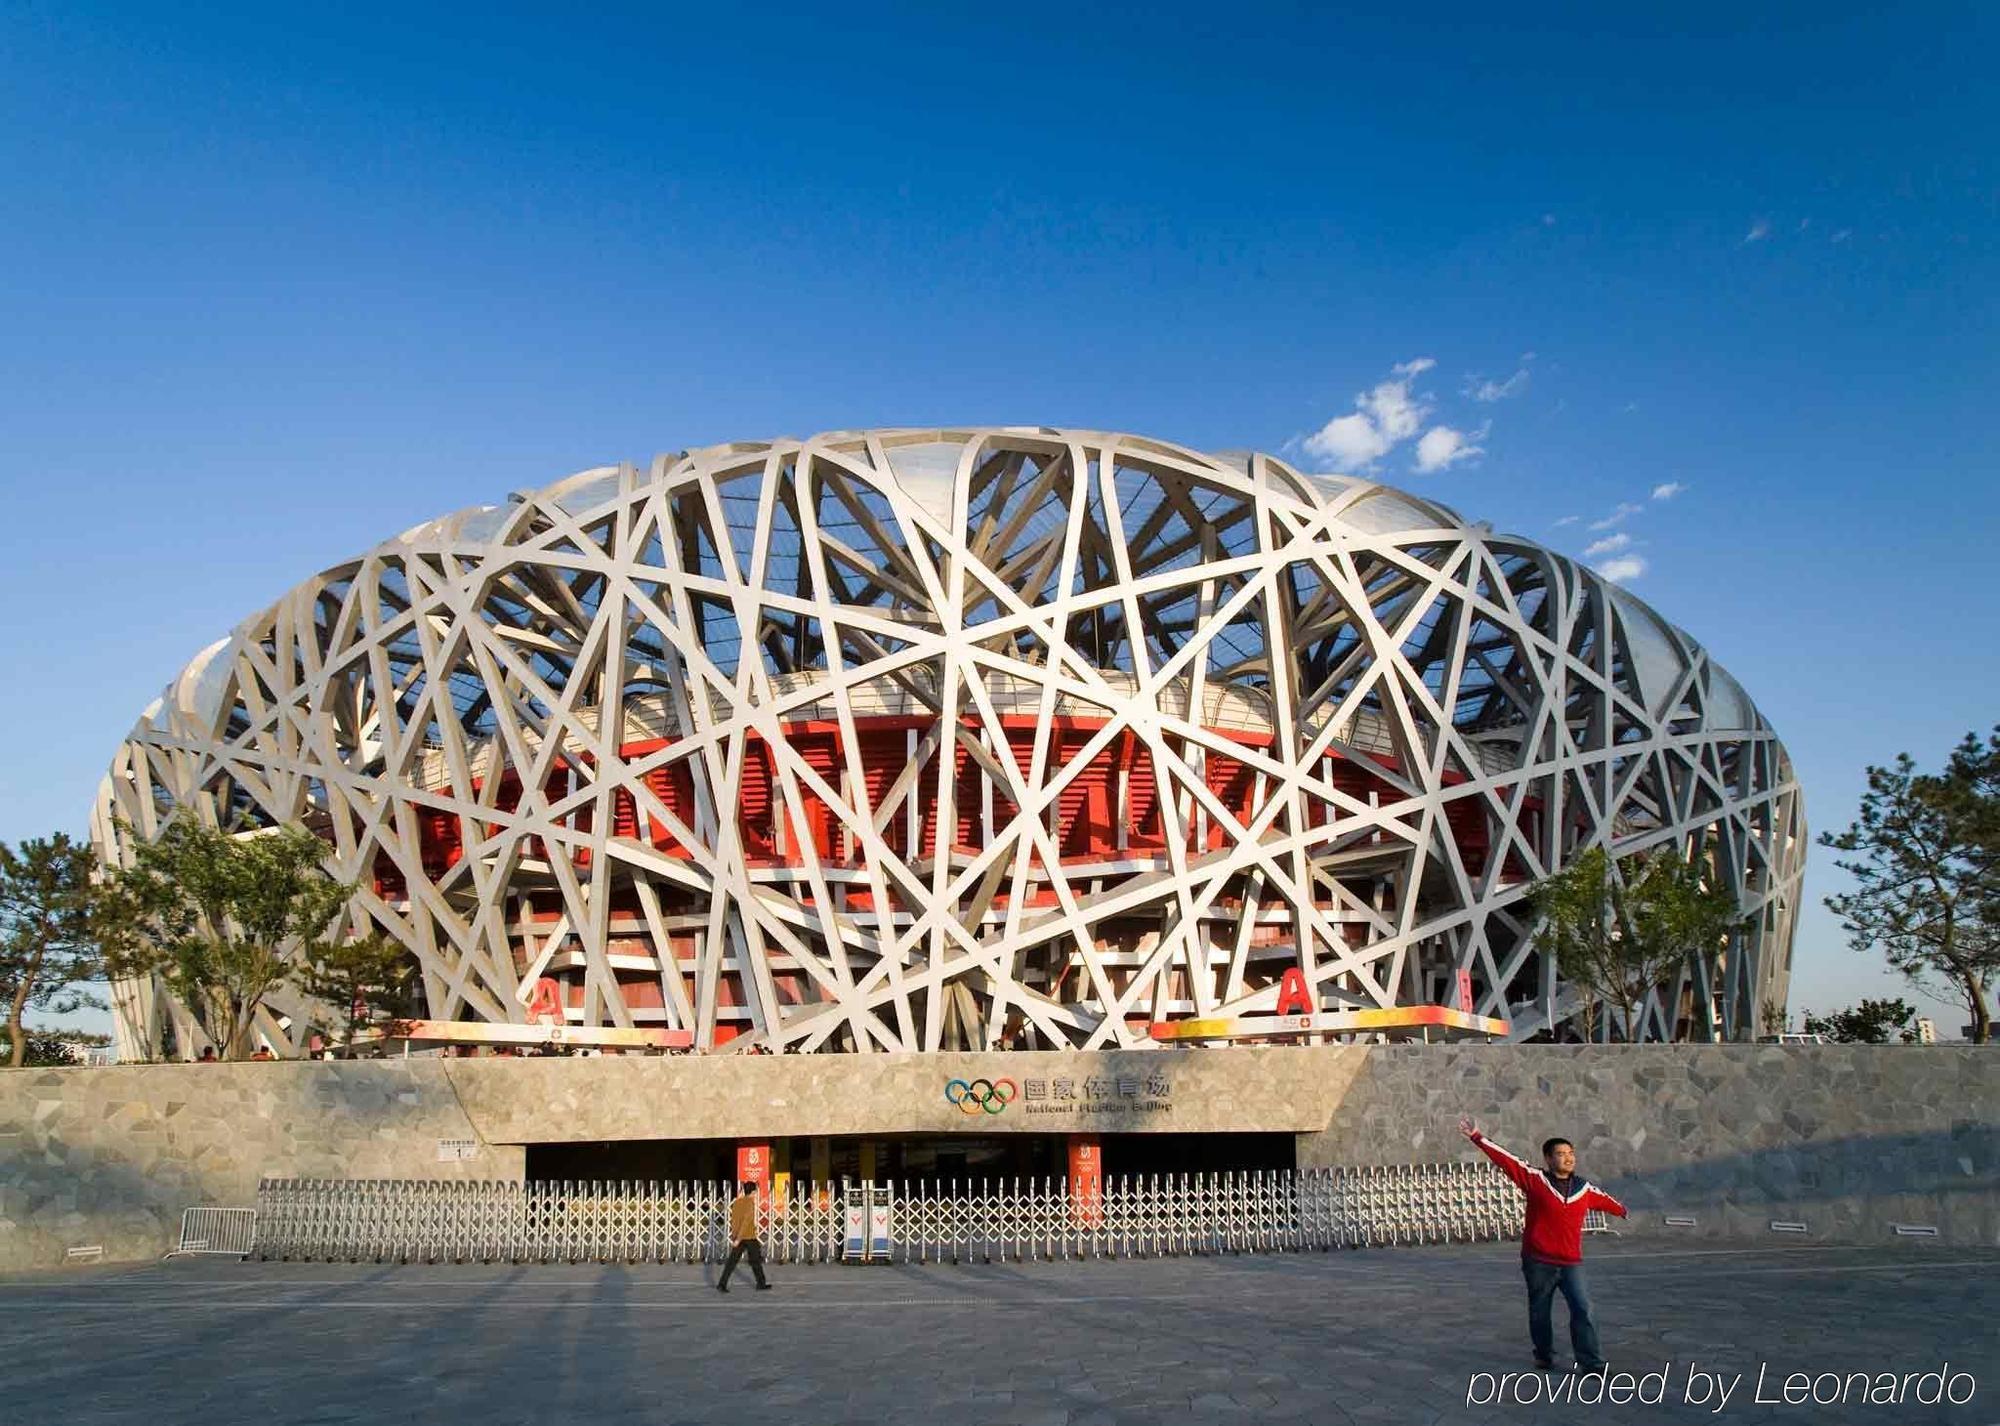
224, 1232
1013, 1220
867, 1223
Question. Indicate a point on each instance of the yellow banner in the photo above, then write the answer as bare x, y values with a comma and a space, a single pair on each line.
1331, 1022
481, 1032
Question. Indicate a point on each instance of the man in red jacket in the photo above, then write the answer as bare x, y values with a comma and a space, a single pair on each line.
1552, 1244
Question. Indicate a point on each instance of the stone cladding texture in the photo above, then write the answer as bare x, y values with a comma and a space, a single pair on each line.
110, 1157
1846, 1139
704, 1097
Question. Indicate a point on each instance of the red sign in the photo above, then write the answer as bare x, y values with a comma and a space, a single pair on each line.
1086, 1179
753, 1165
1465, 991
546, 1004
1293, 997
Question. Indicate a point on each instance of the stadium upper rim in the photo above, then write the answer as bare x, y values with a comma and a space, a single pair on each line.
915, 459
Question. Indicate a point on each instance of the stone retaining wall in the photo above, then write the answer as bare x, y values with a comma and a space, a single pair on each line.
109, 1157
1846, 1139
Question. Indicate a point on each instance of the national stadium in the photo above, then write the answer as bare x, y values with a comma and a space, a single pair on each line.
972, 740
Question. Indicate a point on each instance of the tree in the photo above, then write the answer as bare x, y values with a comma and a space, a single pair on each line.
1579, 926
1925, 858
220, 917
1675, 908
1871, 1022
1619, 931
53, 912
55, 1049
365, 980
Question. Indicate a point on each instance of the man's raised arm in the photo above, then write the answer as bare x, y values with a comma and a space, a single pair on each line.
1596, 1197
1506, 1162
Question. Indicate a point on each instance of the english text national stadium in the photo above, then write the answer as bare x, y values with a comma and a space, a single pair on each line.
972, 741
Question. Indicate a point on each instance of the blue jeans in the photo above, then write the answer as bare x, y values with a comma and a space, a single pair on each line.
1543, 1280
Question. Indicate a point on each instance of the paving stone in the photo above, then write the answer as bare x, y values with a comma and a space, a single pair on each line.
1351, 1340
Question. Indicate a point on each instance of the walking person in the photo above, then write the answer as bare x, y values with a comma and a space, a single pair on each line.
743, 1238
1552, 1244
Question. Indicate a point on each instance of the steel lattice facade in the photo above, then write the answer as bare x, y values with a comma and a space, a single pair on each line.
941, 739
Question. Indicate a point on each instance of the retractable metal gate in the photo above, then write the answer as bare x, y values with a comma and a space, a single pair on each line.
1148, 1215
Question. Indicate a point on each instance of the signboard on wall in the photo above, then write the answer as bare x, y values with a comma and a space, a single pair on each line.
1098, 1101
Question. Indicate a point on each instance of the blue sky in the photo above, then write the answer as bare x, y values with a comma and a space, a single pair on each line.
276, 286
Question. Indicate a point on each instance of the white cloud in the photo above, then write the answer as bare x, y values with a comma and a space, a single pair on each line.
1514, 385
1623, 568
1442, 447
1384, 417
1843, 235
1667, 490
1349, 442
1396, 413
1567, 520
1609, 545
1759, 230
1625, 511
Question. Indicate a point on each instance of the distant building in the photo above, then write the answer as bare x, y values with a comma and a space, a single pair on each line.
1926, 1030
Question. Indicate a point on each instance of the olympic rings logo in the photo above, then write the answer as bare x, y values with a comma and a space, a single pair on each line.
981, 1096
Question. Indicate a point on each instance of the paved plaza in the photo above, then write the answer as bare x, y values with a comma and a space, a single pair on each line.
1376, 1336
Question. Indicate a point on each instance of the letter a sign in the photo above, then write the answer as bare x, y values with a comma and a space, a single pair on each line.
546, 1006
1293, 997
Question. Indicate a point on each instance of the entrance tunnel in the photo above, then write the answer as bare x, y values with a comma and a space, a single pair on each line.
908, 1158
